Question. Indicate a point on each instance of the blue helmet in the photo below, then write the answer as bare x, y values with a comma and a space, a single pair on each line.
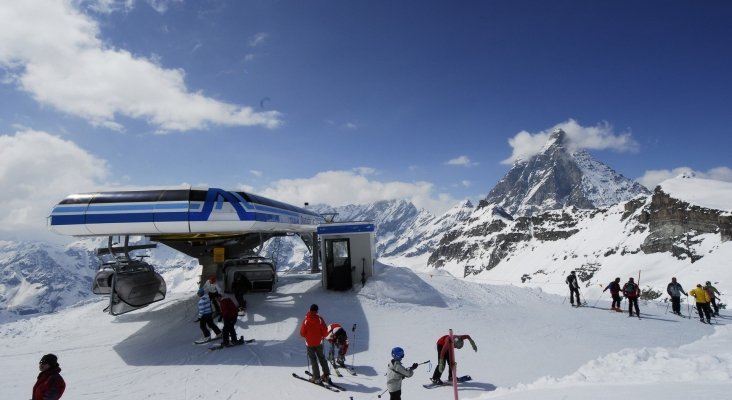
397, 353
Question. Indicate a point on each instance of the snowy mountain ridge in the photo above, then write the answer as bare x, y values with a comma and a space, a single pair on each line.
560, 177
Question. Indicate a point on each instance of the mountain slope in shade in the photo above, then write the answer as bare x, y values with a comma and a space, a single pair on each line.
559, 177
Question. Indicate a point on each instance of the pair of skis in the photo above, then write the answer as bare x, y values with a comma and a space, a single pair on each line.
326, 385
235, 343
464, 378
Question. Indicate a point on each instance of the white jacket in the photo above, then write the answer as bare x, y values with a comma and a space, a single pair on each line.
396, 373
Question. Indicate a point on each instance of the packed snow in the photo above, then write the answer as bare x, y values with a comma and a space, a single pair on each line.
701, 192
531, 345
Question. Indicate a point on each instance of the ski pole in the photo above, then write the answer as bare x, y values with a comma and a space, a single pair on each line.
667, 308
598, 300
379, 396
353, 353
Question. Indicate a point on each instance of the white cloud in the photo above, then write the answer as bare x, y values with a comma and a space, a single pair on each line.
598, 137
258, 39
652, 178
463, 161
466, 183
255, 172
339, 188
53, 52
350, 126
37, 170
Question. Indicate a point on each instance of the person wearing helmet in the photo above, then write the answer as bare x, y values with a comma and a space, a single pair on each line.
397, 372
702, 303
712, 292
443, 355
205, 317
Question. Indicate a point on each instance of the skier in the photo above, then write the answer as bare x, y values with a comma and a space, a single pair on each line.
313, 329
573, 284
702, 303
49, 385
213, 294
631, 291
338, 338
229, 314
443, 355
397, 372
205, 317
674, 290
712, 292
241, 286
614, 287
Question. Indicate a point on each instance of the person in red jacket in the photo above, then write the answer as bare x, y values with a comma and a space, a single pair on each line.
229, 312
50, 385
443, 355
314, 330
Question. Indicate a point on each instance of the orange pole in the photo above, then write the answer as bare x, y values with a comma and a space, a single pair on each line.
453, 365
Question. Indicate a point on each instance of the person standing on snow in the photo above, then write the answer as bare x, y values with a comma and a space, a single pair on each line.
205, 317
712, 292
397, 373
213, 294
674, 290
702, 303
313, 329
444, 356
49, 385
631, 291
614, 287
240, 287
229, 314
338, 338
573, 284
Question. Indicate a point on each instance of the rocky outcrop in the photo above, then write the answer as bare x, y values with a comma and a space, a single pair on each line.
675, 224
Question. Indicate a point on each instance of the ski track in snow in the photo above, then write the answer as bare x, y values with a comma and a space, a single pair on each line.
531, 345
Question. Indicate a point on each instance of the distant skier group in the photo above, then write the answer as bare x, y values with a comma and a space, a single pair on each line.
212, 303
705, 296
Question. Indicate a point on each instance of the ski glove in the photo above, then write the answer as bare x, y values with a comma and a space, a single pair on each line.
414, 366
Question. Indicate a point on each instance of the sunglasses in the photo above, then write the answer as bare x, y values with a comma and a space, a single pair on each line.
42, 362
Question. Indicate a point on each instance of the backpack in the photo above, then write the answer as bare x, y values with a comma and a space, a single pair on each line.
629, 289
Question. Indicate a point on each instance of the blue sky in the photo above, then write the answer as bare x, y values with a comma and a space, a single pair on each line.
351, 101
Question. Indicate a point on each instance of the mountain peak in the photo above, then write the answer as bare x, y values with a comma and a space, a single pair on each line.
558, 177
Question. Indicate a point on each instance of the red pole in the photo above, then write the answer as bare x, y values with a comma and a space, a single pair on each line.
453, 365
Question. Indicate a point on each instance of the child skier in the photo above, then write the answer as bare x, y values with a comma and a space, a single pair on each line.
397, 372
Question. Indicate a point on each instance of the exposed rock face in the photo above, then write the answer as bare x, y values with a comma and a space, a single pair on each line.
559, 177
674, 224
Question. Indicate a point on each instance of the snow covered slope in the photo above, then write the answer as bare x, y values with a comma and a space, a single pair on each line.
531, 345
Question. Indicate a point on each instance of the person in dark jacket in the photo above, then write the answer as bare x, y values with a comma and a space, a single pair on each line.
240, 287
50, 385
675, 290
712, 292
631, 291
614, 287
314, 330
573, 284
444, 356
229, 314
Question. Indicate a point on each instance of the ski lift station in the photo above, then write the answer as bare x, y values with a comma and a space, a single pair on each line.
224, 230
